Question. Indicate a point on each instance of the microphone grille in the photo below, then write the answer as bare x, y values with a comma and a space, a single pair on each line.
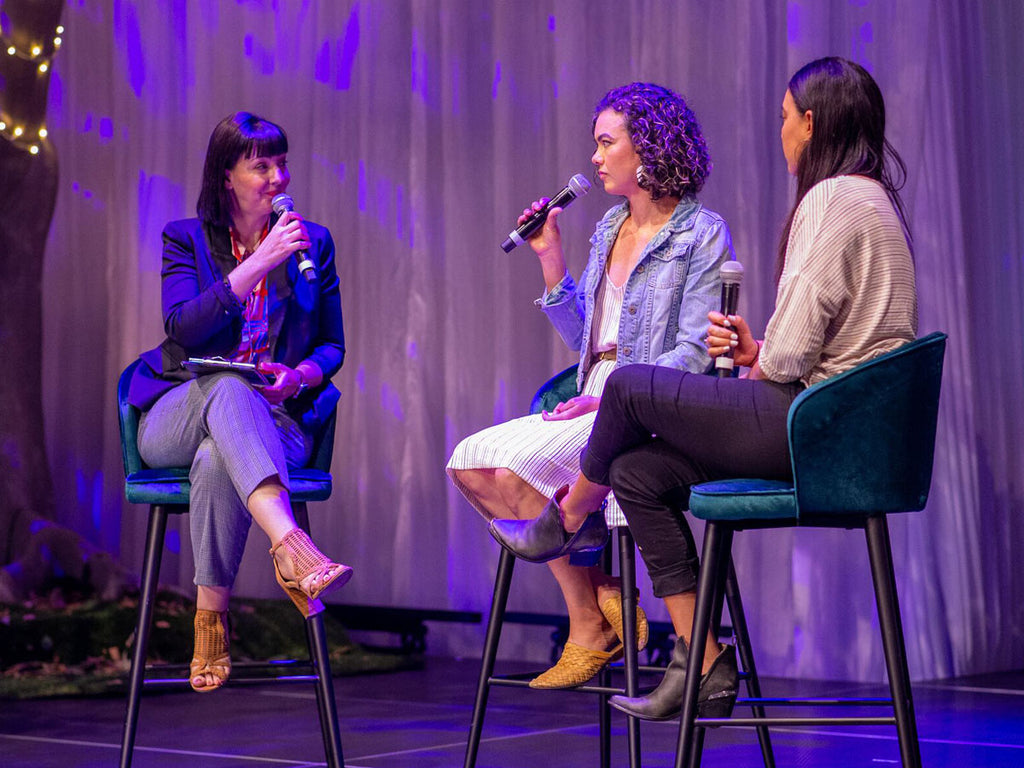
282, 203
731, 273
579, 185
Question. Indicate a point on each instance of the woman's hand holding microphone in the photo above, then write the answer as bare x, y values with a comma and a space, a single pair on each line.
546, 242
732, 333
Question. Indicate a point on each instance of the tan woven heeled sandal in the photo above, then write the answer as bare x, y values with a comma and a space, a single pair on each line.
310, 573
211, 656
612, 610
575, 666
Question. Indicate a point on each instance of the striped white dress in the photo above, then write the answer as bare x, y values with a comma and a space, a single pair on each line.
546, 454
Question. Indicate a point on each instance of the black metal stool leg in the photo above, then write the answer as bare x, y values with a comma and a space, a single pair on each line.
319, 657
502, 582
717, 545
627, 571
880, 555
604, 716
316, 636
604, 721
143, 624
746, 654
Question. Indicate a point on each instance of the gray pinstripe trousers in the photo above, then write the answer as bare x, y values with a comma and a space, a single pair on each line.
233, 440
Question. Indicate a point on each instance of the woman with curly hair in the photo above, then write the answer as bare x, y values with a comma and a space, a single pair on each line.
644, 295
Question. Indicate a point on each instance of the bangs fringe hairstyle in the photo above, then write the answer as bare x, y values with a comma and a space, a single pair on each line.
240, 135
848, 135
665, 134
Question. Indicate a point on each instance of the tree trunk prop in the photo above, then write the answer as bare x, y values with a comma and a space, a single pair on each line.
34, 550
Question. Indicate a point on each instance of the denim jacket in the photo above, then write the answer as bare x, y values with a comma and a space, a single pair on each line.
668, 294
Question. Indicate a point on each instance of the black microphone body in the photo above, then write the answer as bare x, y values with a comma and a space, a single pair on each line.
577, 187
731, 275
280, 204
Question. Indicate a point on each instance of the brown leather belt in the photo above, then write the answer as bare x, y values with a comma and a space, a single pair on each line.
608, 354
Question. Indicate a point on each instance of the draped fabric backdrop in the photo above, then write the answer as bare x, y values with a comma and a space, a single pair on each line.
418, 129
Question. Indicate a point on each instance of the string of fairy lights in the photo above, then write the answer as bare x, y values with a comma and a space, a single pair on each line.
27, 136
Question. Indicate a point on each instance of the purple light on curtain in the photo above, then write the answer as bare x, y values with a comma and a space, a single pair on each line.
172, 541
455, 80
862, 38
391, 402
322, 63
793, 24
361, 378
126, 29
383, 202
55, 110
158, 198
106, 130
500, 411
90, 495
346, 52
496, 81
261, 58
361, 193
399, 204
418, 67
551, 23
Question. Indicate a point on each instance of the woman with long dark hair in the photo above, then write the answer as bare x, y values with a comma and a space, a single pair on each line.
231, 288
846, 294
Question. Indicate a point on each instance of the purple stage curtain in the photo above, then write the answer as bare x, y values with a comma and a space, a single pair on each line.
418, 129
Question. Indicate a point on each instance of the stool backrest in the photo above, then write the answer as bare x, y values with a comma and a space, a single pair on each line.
557, 389
128, 416
864, 441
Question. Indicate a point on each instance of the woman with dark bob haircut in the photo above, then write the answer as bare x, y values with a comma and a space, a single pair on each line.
846, 294
644, 296
231, 288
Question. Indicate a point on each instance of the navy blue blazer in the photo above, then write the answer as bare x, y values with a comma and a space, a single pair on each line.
203, 318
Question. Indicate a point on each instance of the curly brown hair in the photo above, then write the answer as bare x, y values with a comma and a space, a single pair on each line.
665, 134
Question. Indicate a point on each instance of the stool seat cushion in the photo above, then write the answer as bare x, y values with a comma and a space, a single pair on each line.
743, 499
172, 486
158, 486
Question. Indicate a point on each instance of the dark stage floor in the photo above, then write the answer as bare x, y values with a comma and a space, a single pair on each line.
421, 719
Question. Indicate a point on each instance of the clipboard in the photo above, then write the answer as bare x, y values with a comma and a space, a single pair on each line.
202, 366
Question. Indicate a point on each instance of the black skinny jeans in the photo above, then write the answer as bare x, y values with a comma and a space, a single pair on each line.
659, 431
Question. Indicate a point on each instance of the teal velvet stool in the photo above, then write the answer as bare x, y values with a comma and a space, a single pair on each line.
559, 388
166, 491
862, 446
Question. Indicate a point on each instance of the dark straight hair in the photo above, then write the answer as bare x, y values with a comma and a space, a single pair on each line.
242, 134
848, 135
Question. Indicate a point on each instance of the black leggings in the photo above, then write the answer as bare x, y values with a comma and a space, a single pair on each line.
659, 431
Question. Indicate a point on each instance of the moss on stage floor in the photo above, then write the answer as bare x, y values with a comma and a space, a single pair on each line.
52, 648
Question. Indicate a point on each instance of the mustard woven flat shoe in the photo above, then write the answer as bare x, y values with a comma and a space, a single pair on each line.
576, 665
612, 610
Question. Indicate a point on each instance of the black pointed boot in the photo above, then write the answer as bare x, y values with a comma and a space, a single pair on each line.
718, 689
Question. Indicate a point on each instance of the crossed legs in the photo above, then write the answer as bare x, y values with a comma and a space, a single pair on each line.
238, 449
659, 431
505, 495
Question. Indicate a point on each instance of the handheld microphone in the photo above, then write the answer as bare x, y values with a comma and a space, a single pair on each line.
577, 187
280, 204
731, 275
